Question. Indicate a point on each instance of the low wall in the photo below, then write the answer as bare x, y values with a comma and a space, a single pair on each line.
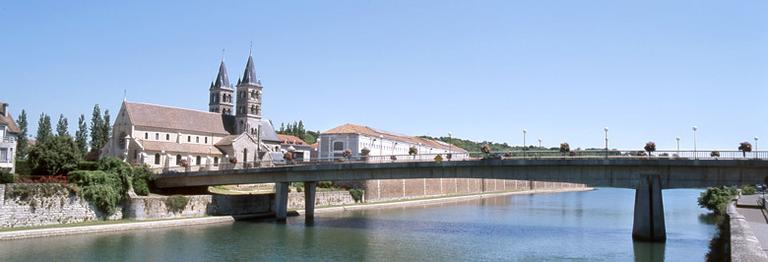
242, 204
25, 205
154, 207
322, 199
744, 244
402, 189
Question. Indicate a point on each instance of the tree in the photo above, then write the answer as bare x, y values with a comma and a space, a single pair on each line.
62, 127
745, 147
81, 136
22, 141
97, 124
55, 155
44, 128
650, 147
106, 129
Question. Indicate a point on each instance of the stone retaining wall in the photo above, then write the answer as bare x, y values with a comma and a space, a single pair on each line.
154, 207
744, 244
25, 205
402, 189
322, 199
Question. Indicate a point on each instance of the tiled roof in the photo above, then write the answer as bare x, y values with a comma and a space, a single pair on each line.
8, 121
172, 147
289, 139
176, 118
371, 132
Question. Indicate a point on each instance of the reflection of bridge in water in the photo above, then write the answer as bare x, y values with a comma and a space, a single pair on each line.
647, 175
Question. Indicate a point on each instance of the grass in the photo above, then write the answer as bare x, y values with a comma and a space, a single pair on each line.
90, 223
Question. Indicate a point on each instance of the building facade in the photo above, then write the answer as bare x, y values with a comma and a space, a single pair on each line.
299, 149
382, 145
9, 132
169, 138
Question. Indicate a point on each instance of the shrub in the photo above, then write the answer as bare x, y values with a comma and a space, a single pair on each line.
141, 176
565, 147
87, 165
347, 153
357, 194
413, 151
103, 189
745, 147
715, 154
176, 203
325, 184
23, 168
748, 190
438, 158
55, 156
7, 177
486, 149
716, 199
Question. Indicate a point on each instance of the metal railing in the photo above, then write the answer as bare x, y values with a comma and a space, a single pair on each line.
479, 156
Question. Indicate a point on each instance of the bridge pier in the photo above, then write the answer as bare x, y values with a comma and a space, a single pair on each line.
281, 200
310, 189
649, 211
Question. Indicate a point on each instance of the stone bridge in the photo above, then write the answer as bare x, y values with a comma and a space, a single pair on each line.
647, 176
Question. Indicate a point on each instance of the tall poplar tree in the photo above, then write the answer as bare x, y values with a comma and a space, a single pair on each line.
106, 129
44, 130
62, 127
81, 136
22, 142
97, 127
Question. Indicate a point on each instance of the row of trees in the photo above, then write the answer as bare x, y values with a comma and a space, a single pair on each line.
297, 129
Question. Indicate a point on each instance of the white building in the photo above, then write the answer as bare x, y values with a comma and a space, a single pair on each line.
8, 133
173, 138
382, 145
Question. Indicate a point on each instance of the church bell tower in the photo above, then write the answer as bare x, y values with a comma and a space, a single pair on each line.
221, 93
249, 88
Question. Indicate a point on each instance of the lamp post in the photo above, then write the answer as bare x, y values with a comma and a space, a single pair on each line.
678, 145
450, 146
756, 152
694, 128
605, 129
538, 154
381, 147
525, 132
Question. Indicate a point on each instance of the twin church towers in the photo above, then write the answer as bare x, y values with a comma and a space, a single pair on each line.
249, 91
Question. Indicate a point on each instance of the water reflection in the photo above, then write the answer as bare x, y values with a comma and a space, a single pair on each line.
647, 251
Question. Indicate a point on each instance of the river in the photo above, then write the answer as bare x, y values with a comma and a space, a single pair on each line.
582, 226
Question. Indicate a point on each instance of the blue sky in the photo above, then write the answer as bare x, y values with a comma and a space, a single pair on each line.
648, 70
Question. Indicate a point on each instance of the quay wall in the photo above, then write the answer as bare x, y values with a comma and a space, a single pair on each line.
404, 189
25, 205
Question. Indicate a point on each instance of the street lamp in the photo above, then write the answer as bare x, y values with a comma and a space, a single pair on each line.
605, 129
381, 148
539, 143
694, 128
525, 131
756, 153
678, 145
450, 145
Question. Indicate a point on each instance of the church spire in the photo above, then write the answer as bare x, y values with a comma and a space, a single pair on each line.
222, 79
249, 76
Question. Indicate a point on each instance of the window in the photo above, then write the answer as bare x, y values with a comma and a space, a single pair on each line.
197, 160
157, 136
146, 136
135, 154
4, 155
178, 160
206, 140
189, 139
157, 159
215, 161
197, 139
338, 146
167, 137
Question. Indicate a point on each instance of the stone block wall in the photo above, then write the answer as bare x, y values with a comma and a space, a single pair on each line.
24, 205
402, 189
241, 204
322, 199
154, 207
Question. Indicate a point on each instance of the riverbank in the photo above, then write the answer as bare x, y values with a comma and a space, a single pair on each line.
748, 229
437, 200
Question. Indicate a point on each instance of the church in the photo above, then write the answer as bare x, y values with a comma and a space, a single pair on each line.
176, 139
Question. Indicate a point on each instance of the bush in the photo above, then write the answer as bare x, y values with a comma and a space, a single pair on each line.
140, 181
357, 194
103, 189
7, 177
650, 147
565, 147
23, 168
55, 156
87, 165
748, 190
715, 154
413, 151
325, 184
716, 199
176, 203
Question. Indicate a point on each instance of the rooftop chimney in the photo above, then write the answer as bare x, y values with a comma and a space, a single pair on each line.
4, 109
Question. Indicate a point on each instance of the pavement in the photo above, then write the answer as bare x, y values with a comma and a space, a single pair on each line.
757, 217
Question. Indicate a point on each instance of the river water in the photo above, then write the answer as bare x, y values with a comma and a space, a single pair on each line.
582, 226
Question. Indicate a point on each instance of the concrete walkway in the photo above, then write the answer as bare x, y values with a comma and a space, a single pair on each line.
757, 217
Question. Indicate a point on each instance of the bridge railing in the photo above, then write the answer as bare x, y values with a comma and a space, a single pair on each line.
509, 155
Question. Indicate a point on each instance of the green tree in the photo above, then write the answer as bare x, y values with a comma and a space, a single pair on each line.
62, 127
44, 130
97, 127
55, 155
81, 136
22, 142
106, 129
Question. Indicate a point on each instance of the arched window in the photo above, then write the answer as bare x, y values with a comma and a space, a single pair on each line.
197, 160
167, 137
146, 136
157, 159
157, 136
122, 140
206, 140
197, 139
213, 98
253, 109
189, 139
215, 161
178, 160
245, 155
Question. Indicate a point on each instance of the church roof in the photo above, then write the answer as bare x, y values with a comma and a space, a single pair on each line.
149, 115
173, 147
249, 76
222, 79
371, 132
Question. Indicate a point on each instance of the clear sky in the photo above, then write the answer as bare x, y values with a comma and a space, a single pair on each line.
648, 70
